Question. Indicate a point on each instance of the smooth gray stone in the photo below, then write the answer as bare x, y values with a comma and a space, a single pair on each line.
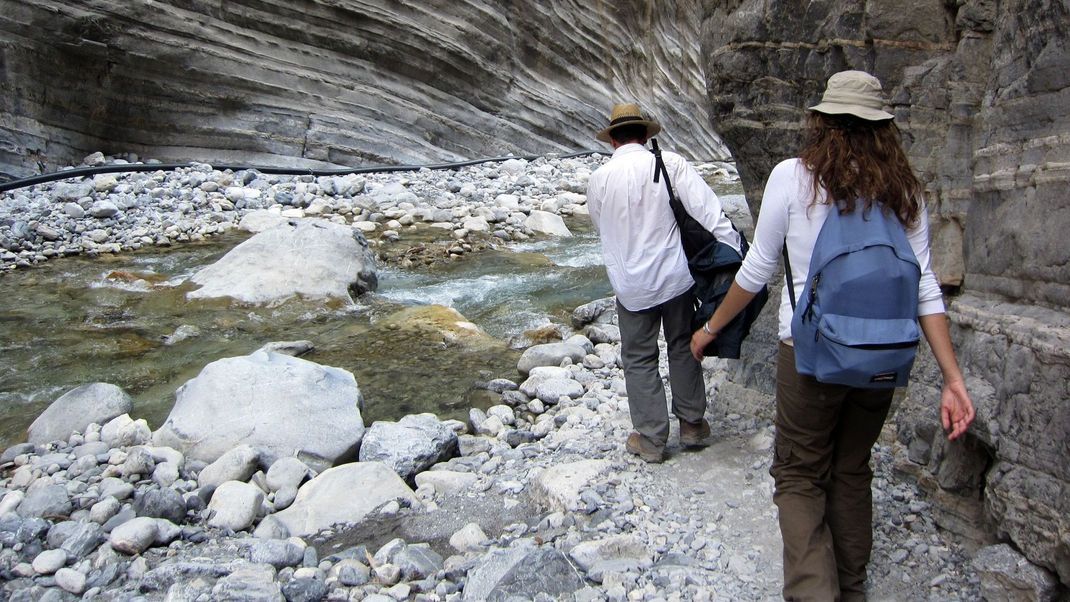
417, 561
83, 540
93, 448
235, 505
351, 573
59, 459
305, 589
410, 445
134, 536
117, 488
103, 209
549, 354
272, 402
17, 450
287, 471
48, 501
72, 191
74, 210
237, 464
49, 561
78, 408
121, 517
71, 580
328, 499
163, 503
279, 553
525, 572
500, 385
311, 258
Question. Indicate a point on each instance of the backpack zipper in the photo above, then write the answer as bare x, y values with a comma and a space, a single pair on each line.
808, 313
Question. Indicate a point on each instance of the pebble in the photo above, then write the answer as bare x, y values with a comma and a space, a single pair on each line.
49, 561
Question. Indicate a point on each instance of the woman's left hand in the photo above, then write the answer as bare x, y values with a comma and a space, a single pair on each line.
699, 341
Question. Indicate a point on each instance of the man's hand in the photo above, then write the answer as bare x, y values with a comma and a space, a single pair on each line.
699, 341
956, 408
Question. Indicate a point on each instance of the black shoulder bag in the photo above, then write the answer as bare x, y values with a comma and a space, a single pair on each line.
713, 265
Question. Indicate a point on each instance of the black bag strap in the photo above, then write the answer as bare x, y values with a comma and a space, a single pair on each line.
678, 209
788, 280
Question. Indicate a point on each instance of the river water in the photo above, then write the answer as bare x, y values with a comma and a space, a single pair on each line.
124, 319
121, 318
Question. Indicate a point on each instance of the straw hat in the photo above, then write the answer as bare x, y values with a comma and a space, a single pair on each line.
856, 93
628, 114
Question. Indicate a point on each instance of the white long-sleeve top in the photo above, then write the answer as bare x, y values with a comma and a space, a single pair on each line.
787, 213
641, 245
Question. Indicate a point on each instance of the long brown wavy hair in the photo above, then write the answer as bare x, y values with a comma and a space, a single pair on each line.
855, 159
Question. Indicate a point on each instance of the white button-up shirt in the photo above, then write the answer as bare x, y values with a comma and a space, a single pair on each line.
640, 239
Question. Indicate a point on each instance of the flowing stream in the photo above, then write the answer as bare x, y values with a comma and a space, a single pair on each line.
124, 319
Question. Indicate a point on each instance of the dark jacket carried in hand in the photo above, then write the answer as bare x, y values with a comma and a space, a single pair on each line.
714, 269
713, 265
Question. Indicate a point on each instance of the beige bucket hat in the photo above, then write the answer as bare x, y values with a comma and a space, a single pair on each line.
628, 114
856, 93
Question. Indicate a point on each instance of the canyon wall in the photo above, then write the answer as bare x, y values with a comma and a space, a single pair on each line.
980, 91
327, 83
978, 87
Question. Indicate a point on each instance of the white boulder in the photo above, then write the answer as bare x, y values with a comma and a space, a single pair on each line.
281, 405
78, 408
313, 258
331, 498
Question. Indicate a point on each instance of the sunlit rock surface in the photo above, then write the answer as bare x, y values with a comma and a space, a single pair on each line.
339, 83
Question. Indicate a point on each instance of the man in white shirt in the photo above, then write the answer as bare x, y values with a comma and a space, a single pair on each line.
648, 271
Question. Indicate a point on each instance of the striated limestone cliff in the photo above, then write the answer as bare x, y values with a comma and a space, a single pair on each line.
981, 90
339, 82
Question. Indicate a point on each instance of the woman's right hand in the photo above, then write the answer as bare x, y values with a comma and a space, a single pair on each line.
956, 409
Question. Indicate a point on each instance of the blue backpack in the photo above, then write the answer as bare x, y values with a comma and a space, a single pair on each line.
857, 321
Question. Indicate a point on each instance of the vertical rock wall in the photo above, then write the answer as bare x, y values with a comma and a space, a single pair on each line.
339, 82
980, 90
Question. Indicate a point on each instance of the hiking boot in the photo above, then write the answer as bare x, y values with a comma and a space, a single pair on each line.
642, 447
694, 434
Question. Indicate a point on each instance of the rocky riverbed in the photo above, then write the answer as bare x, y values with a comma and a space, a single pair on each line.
534, 498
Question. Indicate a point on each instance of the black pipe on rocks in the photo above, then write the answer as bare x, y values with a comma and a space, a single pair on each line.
81, 172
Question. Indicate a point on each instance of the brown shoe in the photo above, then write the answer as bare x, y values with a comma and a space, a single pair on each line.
642, 447
694, 434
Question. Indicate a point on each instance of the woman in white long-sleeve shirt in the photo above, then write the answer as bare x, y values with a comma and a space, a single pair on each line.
824, 432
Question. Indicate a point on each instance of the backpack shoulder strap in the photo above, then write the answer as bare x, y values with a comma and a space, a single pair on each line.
788, 280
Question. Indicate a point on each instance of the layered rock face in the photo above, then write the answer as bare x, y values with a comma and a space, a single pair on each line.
339, 83
980, 90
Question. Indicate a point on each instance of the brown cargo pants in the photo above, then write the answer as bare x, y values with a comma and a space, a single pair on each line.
824, 434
